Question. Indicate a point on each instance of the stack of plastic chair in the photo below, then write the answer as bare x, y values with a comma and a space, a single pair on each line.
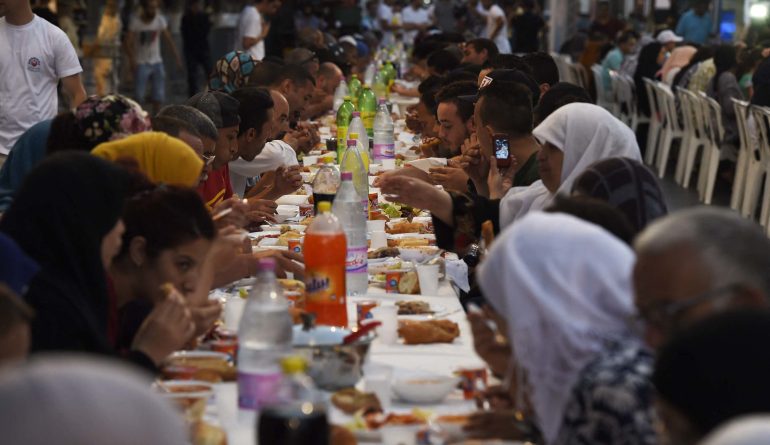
671, 129
615, 97
757, 168
744, 151
656, 122
711, 155
601, 92
693, 110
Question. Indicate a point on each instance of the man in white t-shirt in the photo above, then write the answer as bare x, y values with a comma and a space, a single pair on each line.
143, 50
34, 56
253, 29
497, 24
389, 21
416, 19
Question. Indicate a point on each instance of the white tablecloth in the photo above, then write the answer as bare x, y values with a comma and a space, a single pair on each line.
436, 358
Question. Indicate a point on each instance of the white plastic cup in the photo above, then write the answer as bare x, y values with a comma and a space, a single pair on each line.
379, 239
428, 276
376, 225
226, 396
388, 164
309, 160
233, 312
377, 380
387, 332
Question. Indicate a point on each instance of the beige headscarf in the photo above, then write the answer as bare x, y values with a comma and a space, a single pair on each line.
679, 58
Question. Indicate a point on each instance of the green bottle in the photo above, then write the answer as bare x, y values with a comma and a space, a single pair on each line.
354, 86
367, 105
344, 114
380, 87
390, 73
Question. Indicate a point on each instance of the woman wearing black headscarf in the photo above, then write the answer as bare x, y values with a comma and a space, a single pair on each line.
73, 232
647, 67
724, 87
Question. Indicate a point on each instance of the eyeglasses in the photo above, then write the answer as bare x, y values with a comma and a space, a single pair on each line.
208, 159
667, 315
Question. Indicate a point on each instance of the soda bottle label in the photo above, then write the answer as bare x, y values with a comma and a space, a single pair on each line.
384, 151
356, 261
320, 287
342, 139
257, 390
368, 118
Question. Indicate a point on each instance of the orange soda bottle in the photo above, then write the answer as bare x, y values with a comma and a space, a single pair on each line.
325, 251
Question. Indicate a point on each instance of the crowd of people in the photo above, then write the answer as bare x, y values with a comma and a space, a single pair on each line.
603, 315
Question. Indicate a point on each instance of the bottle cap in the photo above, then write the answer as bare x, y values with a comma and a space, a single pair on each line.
324, 207
348, 98
352, 142
354, 76
347, 176
293, 364
267, 264
352, 136
356, 114
367, 87
327, 159
382, 101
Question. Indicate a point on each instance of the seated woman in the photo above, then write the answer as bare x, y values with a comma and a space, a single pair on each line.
73, 233
723, 88
96, 120
169, 234
581, 373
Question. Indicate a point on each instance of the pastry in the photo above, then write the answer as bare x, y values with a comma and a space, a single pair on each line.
405, 227
487, 233
413, 307
383, 252
430, 331
408, 242
409, 283
341, 436
351, 400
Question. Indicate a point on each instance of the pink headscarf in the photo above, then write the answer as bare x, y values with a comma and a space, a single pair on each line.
679, 58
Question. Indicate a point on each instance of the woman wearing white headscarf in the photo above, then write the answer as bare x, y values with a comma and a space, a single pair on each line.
74, 400
568, 309
747, 430
573, 137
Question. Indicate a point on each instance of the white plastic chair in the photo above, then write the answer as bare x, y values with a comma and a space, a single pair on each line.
581, 75
614, 95
636, 118
601, 91
711, 154
653, 132
671, 129
758, 161
744, 151
698, 120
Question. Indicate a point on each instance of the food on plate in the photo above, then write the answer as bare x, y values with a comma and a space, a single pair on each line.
376, 421
453, 418
430, 331
408, 242
413, 307
291, 285
351, 400
207, 369
285, 228
283, 240
409, 283
391, 209
300, 191
204, 433
383, 252
306, 169
405, 227
487, 233
307, 221
341, 436
428, 145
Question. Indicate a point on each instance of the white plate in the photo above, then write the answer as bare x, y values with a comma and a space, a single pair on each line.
272, 229
438, 312
197, 354
292, 200
412, 235
428, 163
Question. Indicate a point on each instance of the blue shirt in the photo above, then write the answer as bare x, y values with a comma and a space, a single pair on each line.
27, 152
612, 62
693, 28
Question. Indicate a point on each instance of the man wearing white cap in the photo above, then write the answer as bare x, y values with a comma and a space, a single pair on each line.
668, 39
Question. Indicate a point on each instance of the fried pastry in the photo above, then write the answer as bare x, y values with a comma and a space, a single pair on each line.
431, 331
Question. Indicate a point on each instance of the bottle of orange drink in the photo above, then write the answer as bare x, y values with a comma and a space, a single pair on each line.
325, 250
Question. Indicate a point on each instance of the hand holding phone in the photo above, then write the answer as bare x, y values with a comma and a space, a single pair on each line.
502, 150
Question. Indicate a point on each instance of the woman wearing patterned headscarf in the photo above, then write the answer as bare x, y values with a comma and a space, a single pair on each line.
627, 185
231, 72
96, 120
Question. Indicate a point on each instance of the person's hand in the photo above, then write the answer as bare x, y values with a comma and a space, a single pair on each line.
495, 398
285, 261
500, 181
300, 140
261, 210
287, 180
237, 216
489, 345
410, 191
398, 88
167, 329
312, 131
450, 178
205, 315
413, 123
493, 425
407, 171
265, 29
475, 164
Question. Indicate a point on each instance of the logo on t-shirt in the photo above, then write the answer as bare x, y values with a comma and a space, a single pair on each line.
33, 64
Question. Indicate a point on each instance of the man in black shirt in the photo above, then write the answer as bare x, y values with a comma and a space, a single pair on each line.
527, 28
196, 25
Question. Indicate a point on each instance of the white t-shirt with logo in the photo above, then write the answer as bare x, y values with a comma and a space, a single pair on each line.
492, 14
147, 35
33, 57
250, 25
420, 16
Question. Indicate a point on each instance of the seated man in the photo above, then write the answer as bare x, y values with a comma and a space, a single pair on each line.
329, 78
544, 70
206, 129
479, 51
696, 262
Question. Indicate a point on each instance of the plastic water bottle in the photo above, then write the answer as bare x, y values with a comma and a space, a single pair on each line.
344, 114
347, 208
264, 338
325, 251
367, 104
326, 183
355, 161
380, 87
371, 70
384, 143
357, 127
300, 416
339, 95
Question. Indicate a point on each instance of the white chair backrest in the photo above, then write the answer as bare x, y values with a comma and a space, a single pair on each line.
741, 117
714, 119
601, 93
762, 120
581, 74
688, 118
668, 106
652, 98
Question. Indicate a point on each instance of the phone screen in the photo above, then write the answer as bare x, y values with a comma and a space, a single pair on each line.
501, 148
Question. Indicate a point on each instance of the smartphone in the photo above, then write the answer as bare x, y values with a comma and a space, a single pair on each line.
502, 150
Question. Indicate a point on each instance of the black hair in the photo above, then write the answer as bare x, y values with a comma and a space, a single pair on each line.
557, 96
724, 60
597, 212
173, 126
167, 217
716, 369
428, 89
424, 49
507, 107
625, 36
64, 135
451, 94
484, 44
544, 69
265, 74
297, 74
253, 109
510, 62
443, 61
468, 68
458, 75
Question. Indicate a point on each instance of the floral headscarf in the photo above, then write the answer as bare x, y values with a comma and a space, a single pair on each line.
232, 71
111, 117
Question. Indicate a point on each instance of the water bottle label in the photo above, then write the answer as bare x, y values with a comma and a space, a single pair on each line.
384, 151
356, 261
257, 390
